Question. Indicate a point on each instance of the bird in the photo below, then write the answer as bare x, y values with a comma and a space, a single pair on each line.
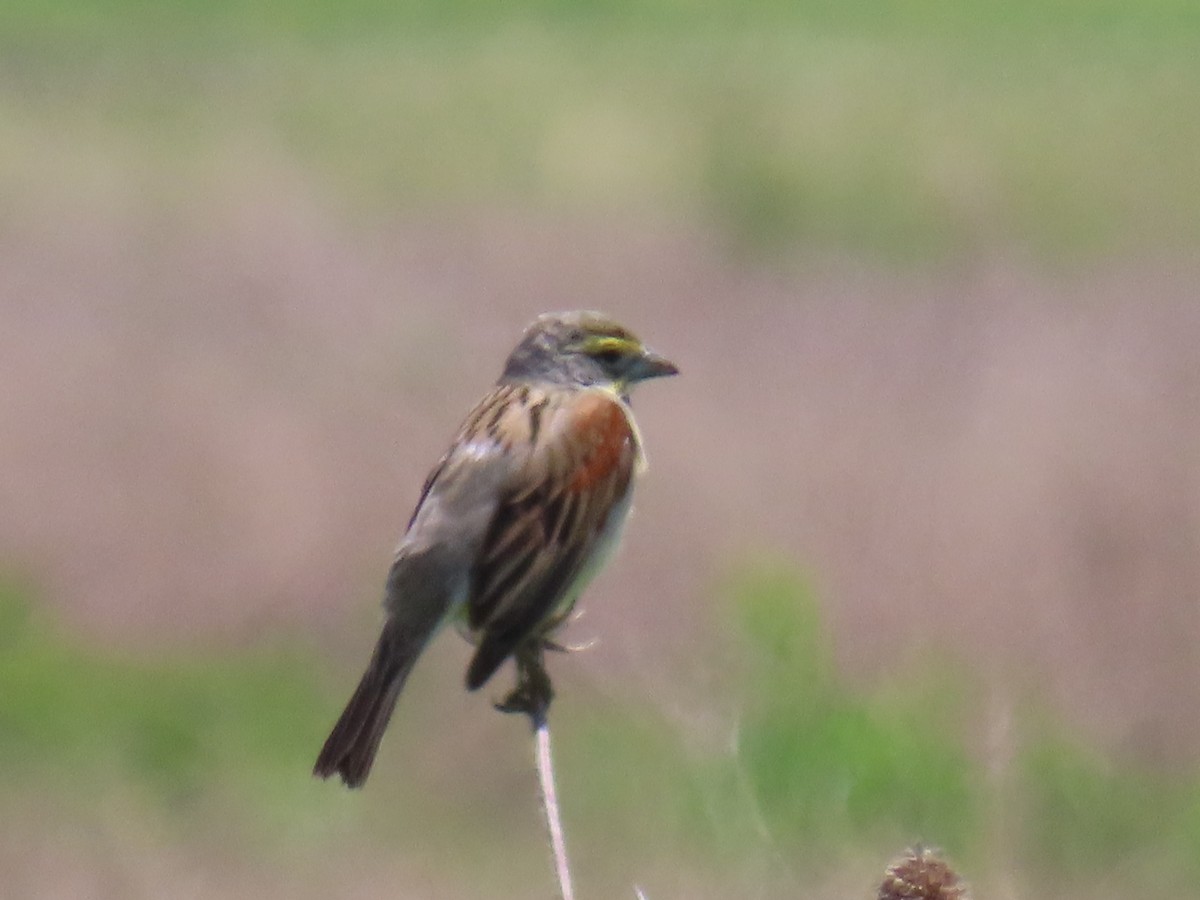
511, 524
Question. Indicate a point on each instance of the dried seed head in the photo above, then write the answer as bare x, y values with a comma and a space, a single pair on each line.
921, 875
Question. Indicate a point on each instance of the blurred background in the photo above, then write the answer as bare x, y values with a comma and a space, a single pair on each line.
917, 555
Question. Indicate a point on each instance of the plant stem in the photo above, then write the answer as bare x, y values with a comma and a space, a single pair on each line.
558, 845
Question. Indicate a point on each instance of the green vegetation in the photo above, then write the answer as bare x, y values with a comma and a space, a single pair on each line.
189, 734
818, 772
814, 773
921, 129
1085, 819
828, 766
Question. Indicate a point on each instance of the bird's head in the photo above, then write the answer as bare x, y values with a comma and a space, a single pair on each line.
584, 348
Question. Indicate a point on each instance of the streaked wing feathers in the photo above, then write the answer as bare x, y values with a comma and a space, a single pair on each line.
551, 512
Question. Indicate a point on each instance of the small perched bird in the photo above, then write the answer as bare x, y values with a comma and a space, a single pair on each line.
512, 523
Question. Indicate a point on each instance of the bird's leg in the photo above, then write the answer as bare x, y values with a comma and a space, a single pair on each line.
533, 692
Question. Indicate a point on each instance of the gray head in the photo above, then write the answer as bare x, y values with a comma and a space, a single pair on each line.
583, 348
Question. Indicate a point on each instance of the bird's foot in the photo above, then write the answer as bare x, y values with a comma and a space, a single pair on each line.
533, 692
556, 647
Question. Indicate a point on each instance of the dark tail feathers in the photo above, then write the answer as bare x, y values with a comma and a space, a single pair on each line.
351, 746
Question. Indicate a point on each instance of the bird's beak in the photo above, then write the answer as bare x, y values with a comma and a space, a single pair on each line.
651, 365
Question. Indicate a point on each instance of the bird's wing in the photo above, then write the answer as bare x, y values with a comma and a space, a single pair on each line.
459, 499
578, 454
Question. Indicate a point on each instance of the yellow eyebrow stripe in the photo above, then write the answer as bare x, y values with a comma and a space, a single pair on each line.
603, 343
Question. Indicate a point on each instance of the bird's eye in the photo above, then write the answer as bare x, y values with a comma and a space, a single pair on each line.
609, 357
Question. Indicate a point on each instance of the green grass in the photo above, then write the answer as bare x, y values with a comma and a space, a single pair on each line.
828, 767
814, 775
191, 734
914, 130
1086, 818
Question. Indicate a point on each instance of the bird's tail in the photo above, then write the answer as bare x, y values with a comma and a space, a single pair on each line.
351, 746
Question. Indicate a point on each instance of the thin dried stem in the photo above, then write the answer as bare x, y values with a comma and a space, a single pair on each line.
531, 697
558, 844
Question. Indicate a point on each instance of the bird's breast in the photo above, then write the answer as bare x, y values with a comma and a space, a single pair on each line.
606, 440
